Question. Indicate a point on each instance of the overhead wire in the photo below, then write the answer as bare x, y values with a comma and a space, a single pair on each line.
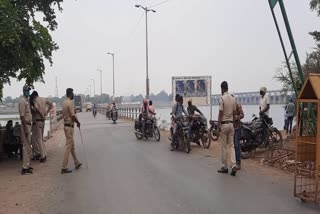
133, 31
158, 4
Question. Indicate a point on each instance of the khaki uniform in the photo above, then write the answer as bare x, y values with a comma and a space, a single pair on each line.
25, 111
228, 106
68, 113
38, 125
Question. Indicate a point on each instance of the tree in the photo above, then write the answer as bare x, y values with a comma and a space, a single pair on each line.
315, 6
24, 41
312, 64
282, 75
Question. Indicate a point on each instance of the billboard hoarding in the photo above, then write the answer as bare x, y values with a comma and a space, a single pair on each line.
198, 88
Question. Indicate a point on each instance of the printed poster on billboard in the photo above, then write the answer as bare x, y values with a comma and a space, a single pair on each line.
198, 88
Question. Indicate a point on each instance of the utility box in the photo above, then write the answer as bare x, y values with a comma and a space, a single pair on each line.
307, 164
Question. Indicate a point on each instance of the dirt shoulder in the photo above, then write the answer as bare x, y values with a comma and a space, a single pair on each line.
27, 193
254, 165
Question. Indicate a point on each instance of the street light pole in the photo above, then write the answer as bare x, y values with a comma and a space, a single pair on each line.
90, 90
100, 85
112, 54
87, 91
94, 87
147, 51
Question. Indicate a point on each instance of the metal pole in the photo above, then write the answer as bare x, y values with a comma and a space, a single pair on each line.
210, 99
147, 52
284, 49
293, 45
100, 87
94, 87
147, 64
113, 77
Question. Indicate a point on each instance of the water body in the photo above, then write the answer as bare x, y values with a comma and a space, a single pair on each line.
276, 112
15, 118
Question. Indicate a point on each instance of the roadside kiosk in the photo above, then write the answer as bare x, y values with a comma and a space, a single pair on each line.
307, 164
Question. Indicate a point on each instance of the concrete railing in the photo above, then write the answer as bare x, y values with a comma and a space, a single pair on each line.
124, 112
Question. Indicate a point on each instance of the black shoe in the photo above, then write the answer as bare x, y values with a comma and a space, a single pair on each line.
78, 165
223, 170
36, 157
42, 160
25, 171
30, 168
238, 166
233, 171
64, 171
198, 143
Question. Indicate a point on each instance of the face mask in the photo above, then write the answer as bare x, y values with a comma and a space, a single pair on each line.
27, 93
261, 93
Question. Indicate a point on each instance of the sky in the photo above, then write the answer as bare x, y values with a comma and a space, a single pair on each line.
234, 41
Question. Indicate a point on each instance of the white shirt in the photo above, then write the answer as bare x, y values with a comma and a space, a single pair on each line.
264, 102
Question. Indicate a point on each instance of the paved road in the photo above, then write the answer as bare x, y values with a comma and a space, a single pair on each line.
127, 176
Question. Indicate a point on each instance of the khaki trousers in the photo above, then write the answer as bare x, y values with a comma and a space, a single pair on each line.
228, 155
26, 142
69, 131
34, 143
37, 137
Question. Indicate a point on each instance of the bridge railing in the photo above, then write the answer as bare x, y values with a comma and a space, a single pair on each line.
124, 112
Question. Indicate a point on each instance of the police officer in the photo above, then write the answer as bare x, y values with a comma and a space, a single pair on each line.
39, 118
227, 111
34, 142
69, 120
26, 119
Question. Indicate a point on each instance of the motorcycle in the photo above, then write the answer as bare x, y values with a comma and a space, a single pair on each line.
108, 114
114, 115
94, 112
214, 132
199, 131
259, 133
152, 129
181, 140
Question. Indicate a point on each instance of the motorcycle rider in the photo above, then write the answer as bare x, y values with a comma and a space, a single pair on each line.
192, 109
144, 116
114, 108
172, 119
264, 102
177, 111
152, 110
94, 109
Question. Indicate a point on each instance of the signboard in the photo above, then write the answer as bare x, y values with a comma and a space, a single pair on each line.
198, 88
